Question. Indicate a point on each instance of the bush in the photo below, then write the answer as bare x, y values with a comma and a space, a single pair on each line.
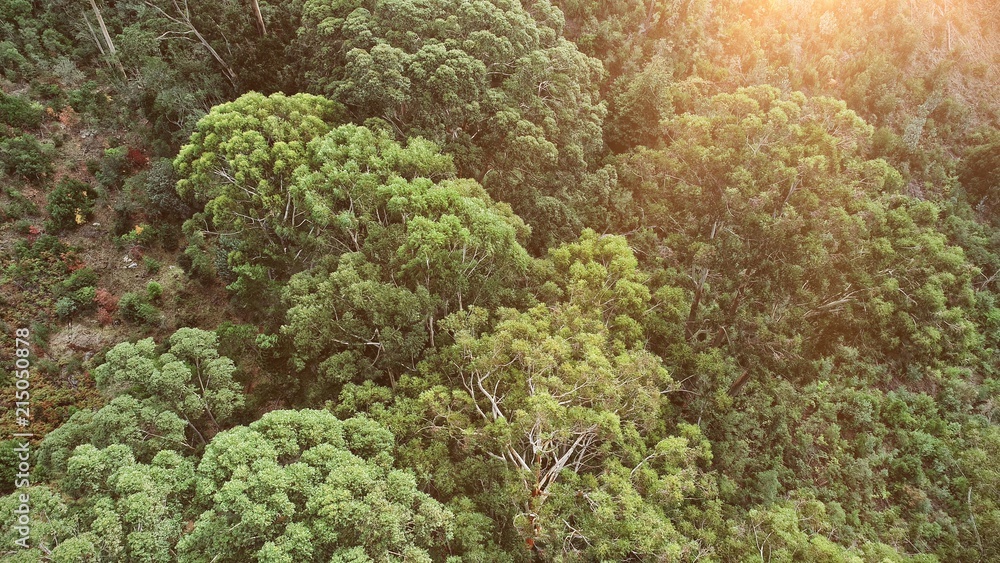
19, 205
84, 297
979, 174
46, 245
20, 113
27, 157
48, 91
114, 166
12, 63
107, 305
160, 186
197, 264
106, 300
84, 277
65, 307
154, 291
86, 98
152, 264
136, 158
69, 205
77, 301
67, 71
136, 309
127, 211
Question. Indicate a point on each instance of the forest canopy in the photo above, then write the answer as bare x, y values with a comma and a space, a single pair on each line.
500, 280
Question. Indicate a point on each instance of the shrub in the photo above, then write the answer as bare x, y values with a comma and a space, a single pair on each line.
40, 333
84, 297
104, 317
106, 300
197, 264
12, 63
47, 91
152, 264
19, 205
20, 113
54, 42
67, 71
77, 301
107, 304
27, 157
129, 305
69, 205
154, 291
136, 309
136, 158
65, 307
114, 165
128, 208
84, 277
86, 98
160, 186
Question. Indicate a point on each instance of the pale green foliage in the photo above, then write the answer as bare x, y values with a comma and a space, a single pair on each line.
240, 163
634, 512
491, 81
304, 486
566, 391
55, 528
140, 425
247, 149
190, 380
412, 251
110, 508
136, 508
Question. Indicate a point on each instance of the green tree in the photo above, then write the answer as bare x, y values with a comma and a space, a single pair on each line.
980, 174
190, 380
305, 486
768, 213
492, 82
566, 398
413, 251
125, 420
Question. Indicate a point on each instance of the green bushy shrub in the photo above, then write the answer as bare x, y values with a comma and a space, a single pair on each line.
76, 293
160, 186
18, 112
69, 205
152, 264
84, 277
13, 65
86, 98
135, 308
114, 167
19, 206
154, 291
78, 301
27, 157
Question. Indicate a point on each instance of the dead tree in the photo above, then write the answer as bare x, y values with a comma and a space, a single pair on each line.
183, 19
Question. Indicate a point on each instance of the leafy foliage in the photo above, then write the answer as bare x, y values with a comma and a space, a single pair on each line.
27, 157
70, 204
20, 113
492, 82
665, 280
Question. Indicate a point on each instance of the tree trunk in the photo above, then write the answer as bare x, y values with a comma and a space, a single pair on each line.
107, 37
104, 28
183, 18
260, 19
100, 46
